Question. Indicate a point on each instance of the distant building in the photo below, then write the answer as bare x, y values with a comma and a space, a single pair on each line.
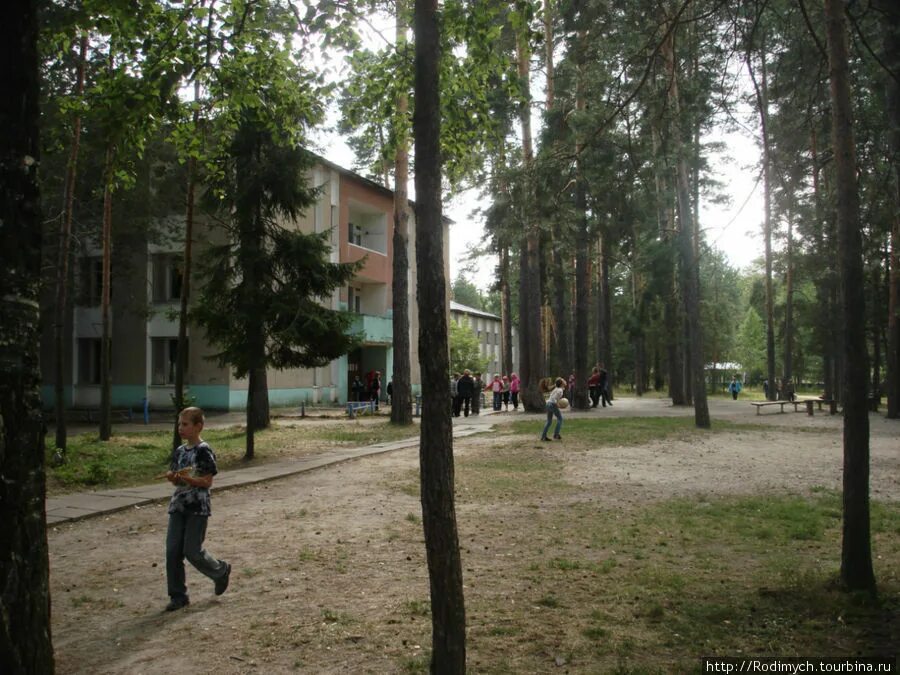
487, 327
146, 288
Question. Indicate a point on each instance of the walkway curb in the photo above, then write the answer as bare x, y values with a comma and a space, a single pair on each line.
82, 505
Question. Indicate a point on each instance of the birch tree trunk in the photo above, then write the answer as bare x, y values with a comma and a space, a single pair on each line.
25, 644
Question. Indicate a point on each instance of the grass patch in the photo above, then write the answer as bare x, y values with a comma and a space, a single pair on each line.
630, 431
509, 473
129, 459
742, 575
417, 607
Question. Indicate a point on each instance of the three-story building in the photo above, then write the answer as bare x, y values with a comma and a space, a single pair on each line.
147, 274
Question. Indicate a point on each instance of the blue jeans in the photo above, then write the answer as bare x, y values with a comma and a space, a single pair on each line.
498, 400
552, 410
184, 539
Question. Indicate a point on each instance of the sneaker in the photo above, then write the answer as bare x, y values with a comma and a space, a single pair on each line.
557, 438
222, 583
177, 603
545, 438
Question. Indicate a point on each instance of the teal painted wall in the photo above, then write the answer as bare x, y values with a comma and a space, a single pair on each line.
48, 396
278, 398
128, 396
210, 396
378, 329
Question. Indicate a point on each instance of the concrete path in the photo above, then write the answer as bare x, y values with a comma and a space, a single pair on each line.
80, 505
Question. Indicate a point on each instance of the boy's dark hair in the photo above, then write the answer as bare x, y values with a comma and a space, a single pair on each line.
194, 414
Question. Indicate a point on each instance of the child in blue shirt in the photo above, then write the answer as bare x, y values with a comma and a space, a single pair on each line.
189, 511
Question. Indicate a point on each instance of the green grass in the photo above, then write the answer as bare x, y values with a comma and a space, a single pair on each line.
630, 431
649, 586
739, 575
129, 459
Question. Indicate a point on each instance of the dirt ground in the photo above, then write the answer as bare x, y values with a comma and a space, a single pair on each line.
329, 573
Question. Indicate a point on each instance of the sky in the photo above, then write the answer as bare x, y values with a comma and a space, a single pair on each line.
735, 229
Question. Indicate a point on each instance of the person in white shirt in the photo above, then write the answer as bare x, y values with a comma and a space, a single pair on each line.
554, 411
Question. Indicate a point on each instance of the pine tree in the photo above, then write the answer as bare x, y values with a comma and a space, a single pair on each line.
260, 302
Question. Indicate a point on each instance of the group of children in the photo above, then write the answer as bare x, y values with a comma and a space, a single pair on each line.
466, 390
504, 390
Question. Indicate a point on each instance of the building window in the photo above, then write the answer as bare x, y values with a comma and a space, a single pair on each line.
168, 275
355, 235
88, 360
164, 357
354, 301
92, 281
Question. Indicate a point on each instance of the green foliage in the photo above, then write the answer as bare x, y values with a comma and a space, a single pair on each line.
751, 344
632, 431
260, 301
464, 350
466, 293
473, 68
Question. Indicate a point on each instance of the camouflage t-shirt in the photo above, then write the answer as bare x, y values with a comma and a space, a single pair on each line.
188, 499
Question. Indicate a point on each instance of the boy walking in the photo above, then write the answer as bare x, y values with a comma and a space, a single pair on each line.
191, 471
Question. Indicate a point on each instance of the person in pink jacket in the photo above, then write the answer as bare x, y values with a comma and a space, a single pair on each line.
514, 385
496, 387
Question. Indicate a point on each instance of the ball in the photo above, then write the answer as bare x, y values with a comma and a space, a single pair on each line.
563, 403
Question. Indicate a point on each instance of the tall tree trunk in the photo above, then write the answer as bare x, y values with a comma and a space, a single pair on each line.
251, 234
671, 316
690, 262
760, 86
562, 351
880, 289
506, 353
401, 399
788, 372
25, 644
181, 358
531, 342
825, 320
582, 253
62, 268
448, 615
891, 59
604, 310
504, 273
856, 552
182, 351
105, 346
637, 336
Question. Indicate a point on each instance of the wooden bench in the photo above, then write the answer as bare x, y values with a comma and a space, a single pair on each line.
762, 404
807, 403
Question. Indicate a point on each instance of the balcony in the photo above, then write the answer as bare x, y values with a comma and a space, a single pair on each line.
378, 330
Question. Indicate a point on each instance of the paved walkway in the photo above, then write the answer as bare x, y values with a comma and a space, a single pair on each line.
80, 505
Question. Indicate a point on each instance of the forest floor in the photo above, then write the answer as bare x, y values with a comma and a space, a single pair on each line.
591, 555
